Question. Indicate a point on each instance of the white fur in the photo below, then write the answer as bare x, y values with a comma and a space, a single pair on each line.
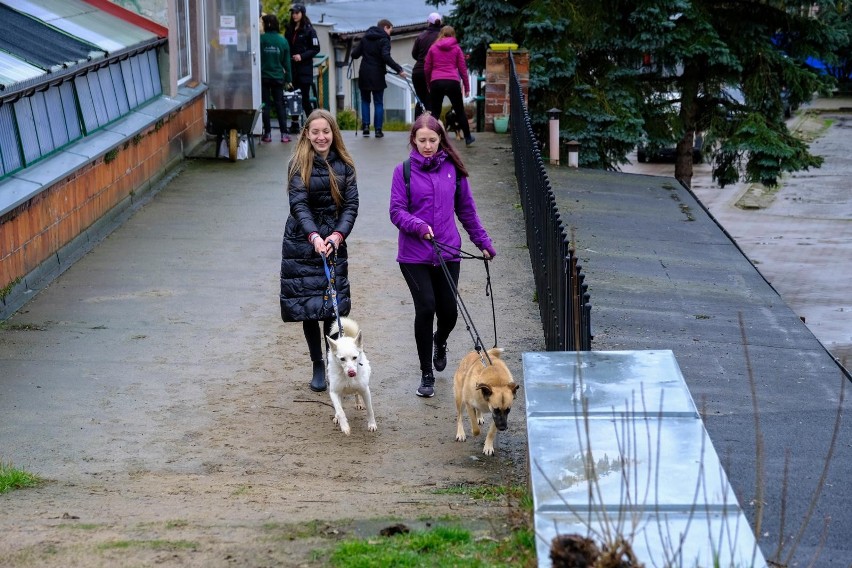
348, 372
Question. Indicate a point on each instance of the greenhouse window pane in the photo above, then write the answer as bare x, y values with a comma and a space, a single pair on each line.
26, 130
145, 71
9, 152
154, 66
98, 98
87, 106
42, 123
115, 74
69, 109
56, 117
108, 90
129, 89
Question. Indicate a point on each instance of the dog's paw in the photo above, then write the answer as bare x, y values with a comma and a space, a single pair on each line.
460, 437
480, 420
488, 450
372, 427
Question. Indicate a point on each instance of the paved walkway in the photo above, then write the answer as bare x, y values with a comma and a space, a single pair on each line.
187, 290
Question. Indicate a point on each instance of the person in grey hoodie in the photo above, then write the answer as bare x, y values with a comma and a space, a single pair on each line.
444, 66
424, 208
375, 48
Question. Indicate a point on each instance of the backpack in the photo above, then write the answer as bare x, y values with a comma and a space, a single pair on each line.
406, 175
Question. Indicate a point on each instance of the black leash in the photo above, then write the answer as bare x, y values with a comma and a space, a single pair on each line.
328, 265
468, 320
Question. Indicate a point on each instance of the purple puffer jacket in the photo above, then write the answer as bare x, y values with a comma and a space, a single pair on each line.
433, 204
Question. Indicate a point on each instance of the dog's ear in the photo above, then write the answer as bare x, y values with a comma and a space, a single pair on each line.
514, 387
331, 342
486, 390
358, 340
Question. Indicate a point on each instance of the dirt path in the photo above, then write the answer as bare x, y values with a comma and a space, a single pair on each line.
159, 392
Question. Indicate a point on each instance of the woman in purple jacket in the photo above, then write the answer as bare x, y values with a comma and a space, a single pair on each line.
444, 66
424, 209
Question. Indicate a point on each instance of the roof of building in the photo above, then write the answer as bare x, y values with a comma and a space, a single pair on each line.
355, 16
43, 37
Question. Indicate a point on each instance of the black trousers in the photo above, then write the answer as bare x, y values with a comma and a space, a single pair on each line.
421, 89
272, 93
452, 89
433, 296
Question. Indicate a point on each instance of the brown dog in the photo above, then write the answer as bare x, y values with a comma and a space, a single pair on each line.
482, 389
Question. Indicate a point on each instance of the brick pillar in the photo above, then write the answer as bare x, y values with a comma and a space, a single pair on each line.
497, 72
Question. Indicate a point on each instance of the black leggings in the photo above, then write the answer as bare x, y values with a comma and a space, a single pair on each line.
433, 296
452, 89
314, 339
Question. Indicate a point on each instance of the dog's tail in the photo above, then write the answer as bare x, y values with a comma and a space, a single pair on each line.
350, 328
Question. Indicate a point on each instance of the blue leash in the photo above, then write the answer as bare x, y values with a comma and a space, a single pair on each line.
328, 265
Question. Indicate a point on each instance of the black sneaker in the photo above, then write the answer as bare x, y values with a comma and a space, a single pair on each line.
380, 134
439, 359
366, 132
427, 386
469, 140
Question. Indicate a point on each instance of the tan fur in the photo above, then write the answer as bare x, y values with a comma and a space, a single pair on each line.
483, 389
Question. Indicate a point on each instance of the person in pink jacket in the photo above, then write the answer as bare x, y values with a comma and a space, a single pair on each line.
444, 66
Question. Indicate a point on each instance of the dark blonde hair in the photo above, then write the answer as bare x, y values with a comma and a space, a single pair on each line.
302, 160
428, 120
447, 31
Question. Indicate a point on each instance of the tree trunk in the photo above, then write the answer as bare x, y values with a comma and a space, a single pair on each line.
683, 161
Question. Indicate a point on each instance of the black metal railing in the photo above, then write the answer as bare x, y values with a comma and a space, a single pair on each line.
563, 297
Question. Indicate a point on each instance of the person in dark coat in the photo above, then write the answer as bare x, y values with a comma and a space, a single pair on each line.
421, 47
323, 196
275, 73
304, 46
375, 48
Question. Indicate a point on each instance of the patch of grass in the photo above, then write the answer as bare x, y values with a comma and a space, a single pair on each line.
485, 492
14, 478
442, 546
157, 544
7, 289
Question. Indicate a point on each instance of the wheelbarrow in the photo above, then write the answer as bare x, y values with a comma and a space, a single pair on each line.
231, 125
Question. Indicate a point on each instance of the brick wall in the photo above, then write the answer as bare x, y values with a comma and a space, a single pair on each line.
497, 72
36, 230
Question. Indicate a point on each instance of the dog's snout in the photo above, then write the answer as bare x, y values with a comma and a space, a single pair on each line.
352, 373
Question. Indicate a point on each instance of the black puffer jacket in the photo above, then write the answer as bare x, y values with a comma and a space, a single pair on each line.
304, 285
303, 42
375, 48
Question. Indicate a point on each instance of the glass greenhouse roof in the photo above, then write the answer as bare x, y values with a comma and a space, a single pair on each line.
84, 21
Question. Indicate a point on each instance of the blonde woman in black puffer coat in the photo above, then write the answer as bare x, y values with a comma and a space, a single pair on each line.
323, 196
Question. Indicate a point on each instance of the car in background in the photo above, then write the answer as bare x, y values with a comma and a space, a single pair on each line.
646, 153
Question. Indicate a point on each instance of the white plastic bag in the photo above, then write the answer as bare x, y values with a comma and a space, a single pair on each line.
242, 148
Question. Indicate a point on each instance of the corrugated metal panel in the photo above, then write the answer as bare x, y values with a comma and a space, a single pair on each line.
86, 22
26, 130
42, 46
9, 153
69, 108
14, 70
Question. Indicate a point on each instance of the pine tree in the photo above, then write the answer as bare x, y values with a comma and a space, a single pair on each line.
664, 71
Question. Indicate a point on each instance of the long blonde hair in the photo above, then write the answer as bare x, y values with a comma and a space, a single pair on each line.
302, 160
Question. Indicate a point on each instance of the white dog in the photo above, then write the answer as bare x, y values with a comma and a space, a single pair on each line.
348, 372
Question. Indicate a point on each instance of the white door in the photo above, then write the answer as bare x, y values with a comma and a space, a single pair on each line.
233, 45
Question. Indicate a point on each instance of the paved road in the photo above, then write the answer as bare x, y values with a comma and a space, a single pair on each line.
800, 238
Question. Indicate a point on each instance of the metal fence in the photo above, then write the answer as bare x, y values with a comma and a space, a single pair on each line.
563, 297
